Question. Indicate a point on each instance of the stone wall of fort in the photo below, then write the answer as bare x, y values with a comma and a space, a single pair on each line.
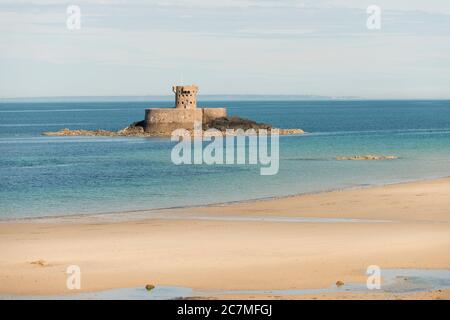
213, 113
164, 121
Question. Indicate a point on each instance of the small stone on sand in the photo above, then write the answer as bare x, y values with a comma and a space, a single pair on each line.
40, 262
339, 283
149, 287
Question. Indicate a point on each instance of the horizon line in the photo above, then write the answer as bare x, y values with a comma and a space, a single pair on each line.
230, 96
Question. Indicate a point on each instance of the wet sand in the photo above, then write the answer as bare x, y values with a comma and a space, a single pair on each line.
243, 246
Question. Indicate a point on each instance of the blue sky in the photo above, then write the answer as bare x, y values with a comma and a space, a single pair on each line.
319, 47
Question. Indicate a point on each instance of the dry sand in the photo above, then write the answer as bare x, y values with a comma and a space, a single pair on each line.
239, 255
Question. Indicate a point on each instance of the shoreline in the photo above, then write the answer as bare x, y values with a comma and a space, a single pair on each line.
238, 254
81, 216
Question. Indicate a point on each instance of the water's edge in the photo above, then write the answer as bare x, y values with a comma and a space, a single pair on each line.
128, 215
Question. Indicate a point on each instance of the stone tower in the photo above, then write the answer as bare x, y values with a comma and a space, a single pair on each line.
185, 97
162, 121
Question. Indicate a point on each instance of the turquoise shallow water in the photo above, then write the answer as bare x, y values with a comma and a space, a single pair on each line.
41, 176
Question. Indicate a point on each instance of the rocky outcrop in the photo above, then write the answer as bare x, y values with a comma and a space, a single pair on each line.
224, 123
368, 157
80, 132
137, 129
134, 129
286, 132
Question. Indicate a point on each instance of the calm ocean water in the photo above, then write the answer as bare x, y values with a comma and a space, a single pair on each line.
42, 176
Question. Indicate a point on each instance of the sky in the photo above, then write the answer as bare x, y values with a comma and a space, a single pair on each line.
311, 47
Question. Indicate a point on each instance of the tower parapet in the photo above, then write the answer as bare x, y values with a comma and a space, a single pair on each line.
185, 96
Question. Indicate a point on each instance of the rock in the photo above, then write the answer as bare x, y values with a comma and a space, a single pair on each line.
149, 287
368, 157
80, 132
134, 129
286, 132
224, 123
137, 129
339, 283
40, 263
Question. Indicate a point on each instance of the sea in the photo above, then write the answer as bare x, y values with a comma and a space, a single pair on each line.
44, 176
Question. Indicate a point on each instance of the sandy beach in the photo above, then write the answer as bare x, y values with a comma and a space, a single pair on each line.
299, 242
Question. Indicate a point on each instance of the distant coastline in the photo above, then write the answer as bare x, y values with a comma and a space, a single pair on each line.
204, 98
228, 97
